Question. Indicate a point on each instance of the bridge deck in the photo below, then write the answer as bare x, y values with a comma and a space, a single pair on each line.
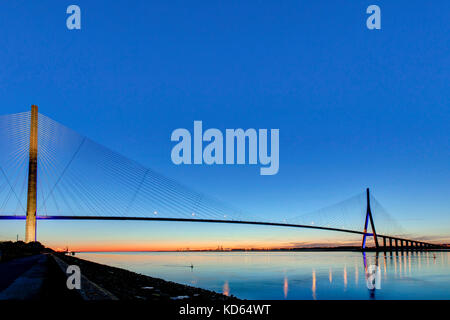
112, 218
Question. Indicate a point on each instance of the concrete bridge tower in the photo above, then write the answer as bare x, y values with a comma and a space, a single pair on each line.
369, 218
30, 227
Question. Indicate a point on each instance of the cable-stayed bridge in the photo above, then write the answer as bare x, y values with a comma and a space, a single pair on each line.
50, 172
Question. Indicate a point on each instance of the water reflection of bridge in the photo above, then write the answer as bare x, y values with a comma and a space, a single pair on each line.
396, 265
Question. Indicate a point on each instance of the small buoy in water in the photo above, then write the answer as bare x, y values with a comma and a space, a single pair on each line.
192, 266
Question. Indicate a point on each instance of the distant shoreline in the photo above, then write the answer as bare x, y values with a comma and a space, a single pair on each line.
316, 249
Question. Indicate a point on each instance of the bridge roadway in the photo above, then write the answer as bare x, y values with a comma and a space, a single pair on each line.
389, 242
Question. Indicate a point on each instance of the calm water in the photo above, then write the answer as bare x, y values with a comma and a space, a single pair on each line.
295, 275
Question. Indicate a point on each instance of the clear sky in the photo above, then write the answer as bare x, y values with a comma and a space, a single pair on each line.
356, 108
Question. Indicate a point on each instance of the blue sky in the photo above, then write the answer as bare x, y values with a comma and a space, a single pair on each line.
355, 107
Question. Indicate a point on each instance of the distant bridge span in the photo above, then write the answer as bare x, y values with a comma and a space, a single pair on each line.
387, 240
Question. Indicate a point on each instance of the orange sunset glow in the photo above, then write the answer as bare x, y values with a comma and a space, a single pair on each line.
191, 245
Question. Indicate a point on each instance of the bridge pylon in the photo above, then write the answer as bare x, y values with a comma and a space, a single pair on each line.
366, 224
30, 227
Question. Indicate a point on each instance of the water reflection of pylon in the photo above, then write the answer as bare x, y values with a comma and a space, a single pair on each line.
330, 275
285, 286
345, 277
226, 288
377, 275
313, 288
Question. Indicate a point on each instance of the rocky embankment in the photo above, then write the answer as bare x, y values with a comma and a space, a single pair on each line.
127, 285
